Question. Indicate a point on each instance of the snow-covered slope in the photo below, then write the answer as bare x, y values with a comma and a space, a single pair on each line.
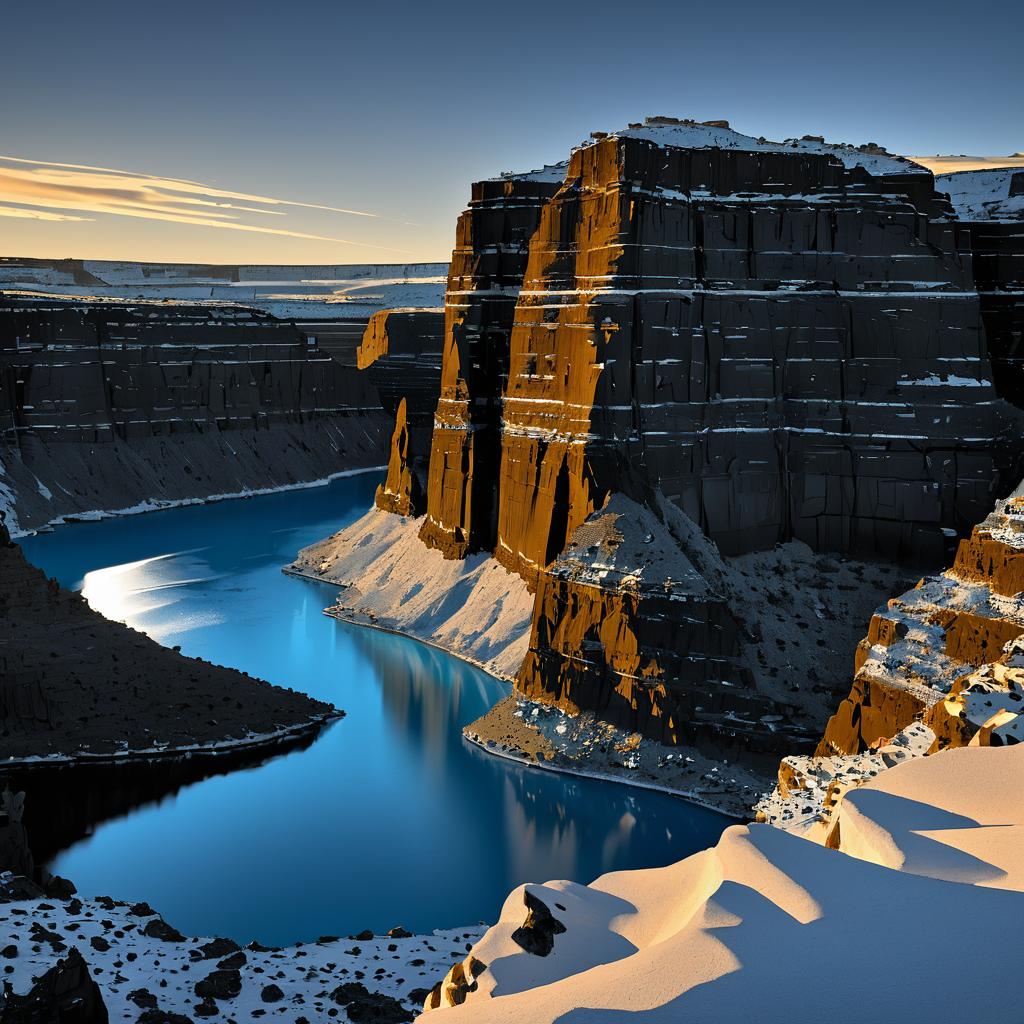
770, 927
305, 292
985, 194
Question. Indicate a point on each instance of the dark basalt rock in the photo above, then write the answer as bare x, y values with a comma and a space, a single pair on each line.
71, 679
219, 984
65, 994
108, 403
491, 250
537, 933
216, 948
271, 994
158, 1016
366, 1007
158, 928
401, 353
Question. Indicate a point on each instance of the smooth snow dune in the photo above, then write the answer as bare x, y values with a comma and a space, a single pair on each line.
473, 607
959, 817
770, 927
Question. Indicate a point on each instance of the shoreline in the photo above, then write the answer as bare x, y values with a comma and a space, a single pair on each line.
161, 504
479, 743
282, 736
288, 570
508, 755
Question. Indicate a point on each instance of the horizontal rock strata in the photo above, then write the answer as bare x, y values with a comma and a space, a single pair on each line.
107, 403
401, 350
776, 342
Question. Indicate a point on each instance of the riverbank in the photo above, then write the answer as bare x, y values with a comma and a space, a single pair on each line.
46, 483
76, 687
387, 578
545, 737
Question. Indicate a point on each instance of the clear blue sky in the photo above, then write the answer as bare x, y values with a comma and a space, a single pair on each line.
393, 109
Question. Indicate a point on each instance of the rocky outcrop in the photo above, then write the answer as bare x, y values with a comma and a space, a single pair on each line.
626, 626
775, 342
486, 273
991, 203
942, 667
105, 404
66, 993
401, 350
76, 686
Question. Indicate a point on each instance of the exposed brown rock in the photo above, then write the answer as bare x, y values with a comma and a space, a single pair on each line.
788, 343
942, 667
492, 242
400, 492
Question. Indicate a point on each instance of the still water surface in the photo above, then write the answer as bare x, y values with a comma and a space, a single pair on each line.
387, 818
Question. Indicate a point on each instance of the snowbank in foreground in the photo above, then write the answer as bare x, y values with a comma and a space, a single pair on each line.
473, 608
768, 926
139, 961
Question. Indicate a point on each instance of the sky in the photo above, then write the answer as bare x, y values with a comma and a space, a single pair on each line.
318, 131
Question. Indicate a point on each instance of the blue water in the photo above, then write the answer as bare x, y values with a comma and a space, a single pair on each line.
389, 817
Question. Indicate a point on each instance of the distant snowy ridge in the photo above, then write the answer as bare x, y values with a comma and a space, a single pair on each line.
986, 195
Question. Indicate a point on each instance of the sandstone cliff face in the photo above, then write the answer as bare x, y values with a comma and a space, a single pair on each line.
786, 341
785, 347
626, 625
149, 394
492, 240
401, 350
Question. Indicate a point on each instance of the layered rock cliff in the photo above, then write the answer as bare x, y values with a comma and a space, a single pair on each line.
74, 685
105, 404
401, 349
772, 342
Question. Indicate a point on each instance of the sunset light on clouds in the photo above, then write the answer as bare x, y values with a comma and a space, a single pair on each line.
34, 189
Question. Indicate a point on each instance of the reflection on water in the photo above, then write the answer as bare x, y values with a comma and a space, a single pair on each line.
387, 817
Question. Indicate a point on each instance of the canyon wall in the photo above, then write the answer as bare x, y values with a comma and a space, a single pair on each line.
492, 241
942, 666
401, 352
104, 404
784, 342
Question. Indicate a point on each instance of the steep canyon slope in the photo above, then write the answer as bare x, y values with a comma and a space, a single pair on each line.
682, 347
106, 404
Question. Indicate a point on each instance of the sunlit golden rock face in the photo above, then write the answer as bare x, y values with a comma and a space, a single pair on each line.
785, 344
400, 492
401, 352
483, 282
942, 667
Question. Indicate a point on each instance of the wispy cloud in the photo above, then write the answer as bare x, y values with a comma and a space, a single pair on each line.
32, 188
13, 211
